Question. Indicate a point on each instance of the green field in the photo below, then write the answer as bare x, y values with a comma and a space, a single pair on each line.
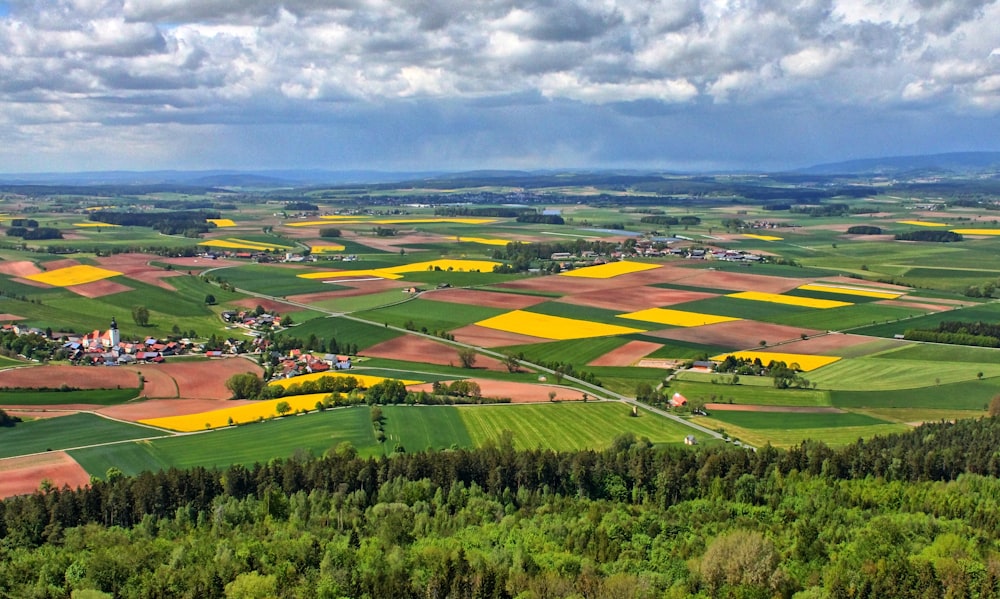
6, 362
417, 428
63, 432
968, 395
749, 394
344, 330
876, 374
434, 316
100, 397
935, 352
566, 426
246, 444
846, 317
746, 309
793, 421
571, 351
986, 312
269, 279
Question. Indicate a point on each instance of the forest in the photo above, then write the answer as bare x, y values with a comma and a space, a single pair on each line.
907, 515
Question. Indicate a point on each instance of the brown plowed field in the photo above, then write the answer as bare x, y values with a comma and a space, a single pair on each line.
518, 392
19, 268
729, 407
491, 299
10, 317
916, 305
20, 476
561, 285
57, 264
736, 334
412, 348
863, 283
136, 266
485, 337
823, 345
204, 379
627, 354
159, 408
737, 281
632, 299
81, 377
99, 288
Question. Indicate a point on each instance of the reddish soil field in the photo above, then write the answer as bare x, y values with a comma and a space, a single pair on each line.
57, 264
81, 377
159, 408
19, 268
10, 317
136, 266
729, 407
491, 299
737, 334
916, 305
632, 299
38, 413
824, 345
269, 305
203, 379
485, 337
412, 348
563, 285
390, 244
31, 283
158, 384
99, 288
626, 355
518, 392
737, 281
354, 288
20, 476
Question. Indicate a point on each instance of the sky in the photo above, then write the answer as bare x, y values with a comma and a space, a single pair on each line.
746, 85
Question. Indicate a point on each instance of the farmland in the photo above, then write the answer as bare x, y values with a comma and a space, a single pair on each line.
598, 300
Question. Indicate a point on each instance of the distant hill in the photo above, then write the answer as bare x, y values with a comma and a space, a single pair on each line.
955, 163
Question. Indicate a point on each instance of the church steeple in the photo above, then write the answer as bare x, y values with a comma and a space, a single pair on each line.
114, 337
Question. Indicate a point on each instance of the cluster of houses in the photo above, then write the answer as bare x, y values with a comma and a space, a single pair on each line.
107, 348
299, 362
250, 319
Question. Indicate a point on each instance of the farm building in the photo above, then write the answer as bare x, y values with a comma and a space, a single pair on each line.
678, 401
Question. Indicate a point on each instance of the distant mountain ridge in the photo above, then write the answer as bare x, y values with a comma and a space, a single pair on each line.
950, 163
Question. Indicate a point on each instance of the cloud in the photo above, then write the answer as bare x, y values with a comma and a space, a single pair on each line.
201, 63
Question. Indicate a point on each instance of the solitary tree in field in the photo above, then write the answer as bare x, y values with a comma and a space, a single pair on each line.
467, 356
282, 408
210, 299
140, 314
512, 363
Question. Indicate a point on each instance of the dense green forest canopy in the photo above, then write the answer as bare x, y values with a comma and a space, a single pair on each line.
910, 515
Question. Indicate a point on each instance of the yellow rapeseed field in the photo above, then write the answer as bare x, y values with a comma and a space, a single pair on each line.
94, 224
806, 362
242, 244
396, 272
777, 298
221, 222
848, 290
366, 380
319, 249
239, 414
677, 318
763, 237
552, 327
611, 269
976, 231
73, 275
920, 223
502, 242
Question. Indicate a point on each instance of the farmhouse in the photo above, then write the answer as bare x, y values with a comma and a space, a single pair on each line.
678, 401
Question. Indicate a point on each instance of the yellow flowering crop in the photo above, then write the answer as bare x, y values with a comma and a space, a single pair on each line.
396, 272
502, 242
552, 327
239, 414
763, 237
789, 300
242, 244
976, 231
859, 291
94, 224
319, 249
73, 275
221, 222
805, 362
677, 318
920, 223
608, 270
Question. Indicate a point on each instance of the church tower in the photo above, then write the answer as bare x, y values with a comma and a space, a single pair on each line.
114, 337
